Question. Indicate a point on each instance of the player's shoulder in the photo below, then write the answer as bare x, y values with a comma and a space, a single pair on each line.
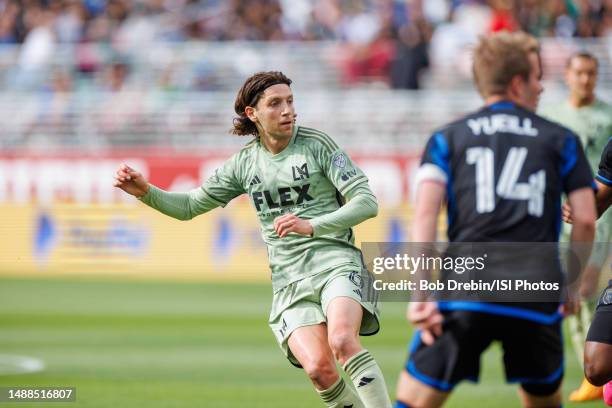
315, 139
243, 155
248, 148
552, 109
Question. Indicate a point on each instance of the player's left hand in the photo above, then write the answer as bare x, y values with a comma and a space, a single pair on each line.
288, 223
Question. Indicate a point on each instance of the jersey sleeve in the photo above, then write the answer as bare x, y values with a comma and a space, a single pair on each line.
217, 191
223, 186
340, 169
575, 169
361, 206
604, 174
435, 163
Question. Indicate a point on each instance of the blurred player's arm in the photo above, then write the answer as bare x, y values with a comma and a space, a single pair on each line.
431, 182
604, 180
217, 191
431, 194
603, 198
577, 180
582, 203
603, 201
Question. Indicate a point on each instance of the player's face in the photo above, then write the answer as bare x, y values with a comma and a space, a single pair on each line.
532, 88
581, 77
275, 112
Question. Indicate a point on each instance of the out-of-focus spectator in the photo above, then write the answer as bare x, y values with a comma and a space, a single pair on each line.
412, 53
503, 18
70, 19
367, 38
115, 77
388, 41
38, 46
450, 49
8, 23
533, 17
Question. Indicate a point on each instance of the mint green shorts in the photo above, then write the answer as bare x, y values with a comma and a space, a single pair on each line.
305, 302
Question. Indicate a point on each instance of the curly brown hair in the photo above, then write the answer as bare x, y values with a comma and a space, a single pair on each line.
249, 94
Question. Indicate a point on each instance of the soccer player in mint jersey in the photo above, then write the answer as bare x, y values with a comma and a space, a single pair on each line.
591, 119
308, 195
502, 171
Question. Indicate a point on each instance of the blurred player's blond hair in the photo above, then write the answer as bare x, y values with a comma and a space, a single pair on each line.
500, 57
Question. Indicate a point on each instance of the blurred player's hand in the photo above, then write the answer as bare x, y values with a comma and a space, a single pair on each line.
427, 318
288, 223
570, 306
131, 181
566, 213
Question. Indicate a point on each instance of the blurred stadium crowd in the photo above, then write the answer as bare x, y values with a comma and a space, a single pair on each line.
382, 40
95, 73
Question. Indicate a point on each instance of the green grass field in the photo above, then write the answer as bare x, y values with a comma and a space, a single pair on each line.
168, 344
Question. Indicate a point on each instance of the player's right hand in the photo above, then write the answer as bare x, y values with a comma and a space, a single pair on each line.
566, 213
131, 181
427, 318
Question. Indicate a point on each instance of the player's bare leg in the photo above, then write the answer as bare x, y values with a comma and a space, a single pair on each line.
309, 346
579, 326
414, 394
598, 362
534, 401
344, 319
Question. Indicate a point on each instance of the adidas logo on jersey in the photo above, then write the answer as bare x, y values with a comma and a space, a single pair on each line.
364, 381
255, 180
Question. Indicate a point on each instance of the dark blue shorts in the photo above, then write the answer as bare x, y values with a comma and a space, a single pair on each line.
532, 351
601, 328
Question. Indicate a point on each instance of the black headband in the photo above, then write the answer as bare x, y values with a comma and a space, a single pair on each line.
262, 89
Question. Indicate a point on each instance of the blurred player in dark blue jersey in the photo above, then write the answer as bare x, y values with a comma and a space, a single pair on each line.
501, 171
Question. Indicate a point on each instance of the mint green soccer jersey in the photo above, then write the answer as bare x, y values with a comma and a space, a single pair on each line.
592, 124
309, 178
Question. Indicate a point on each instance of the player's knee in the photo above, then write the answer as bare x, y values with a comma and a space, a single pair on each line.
344, 344
321, 370
596, 372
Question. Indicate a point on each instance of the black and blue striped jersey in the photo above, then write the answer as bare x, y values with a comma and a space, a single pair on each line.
505, 169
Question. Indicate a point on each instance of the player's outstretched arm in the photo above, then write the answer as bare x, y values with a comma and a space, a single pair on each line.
182, 206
